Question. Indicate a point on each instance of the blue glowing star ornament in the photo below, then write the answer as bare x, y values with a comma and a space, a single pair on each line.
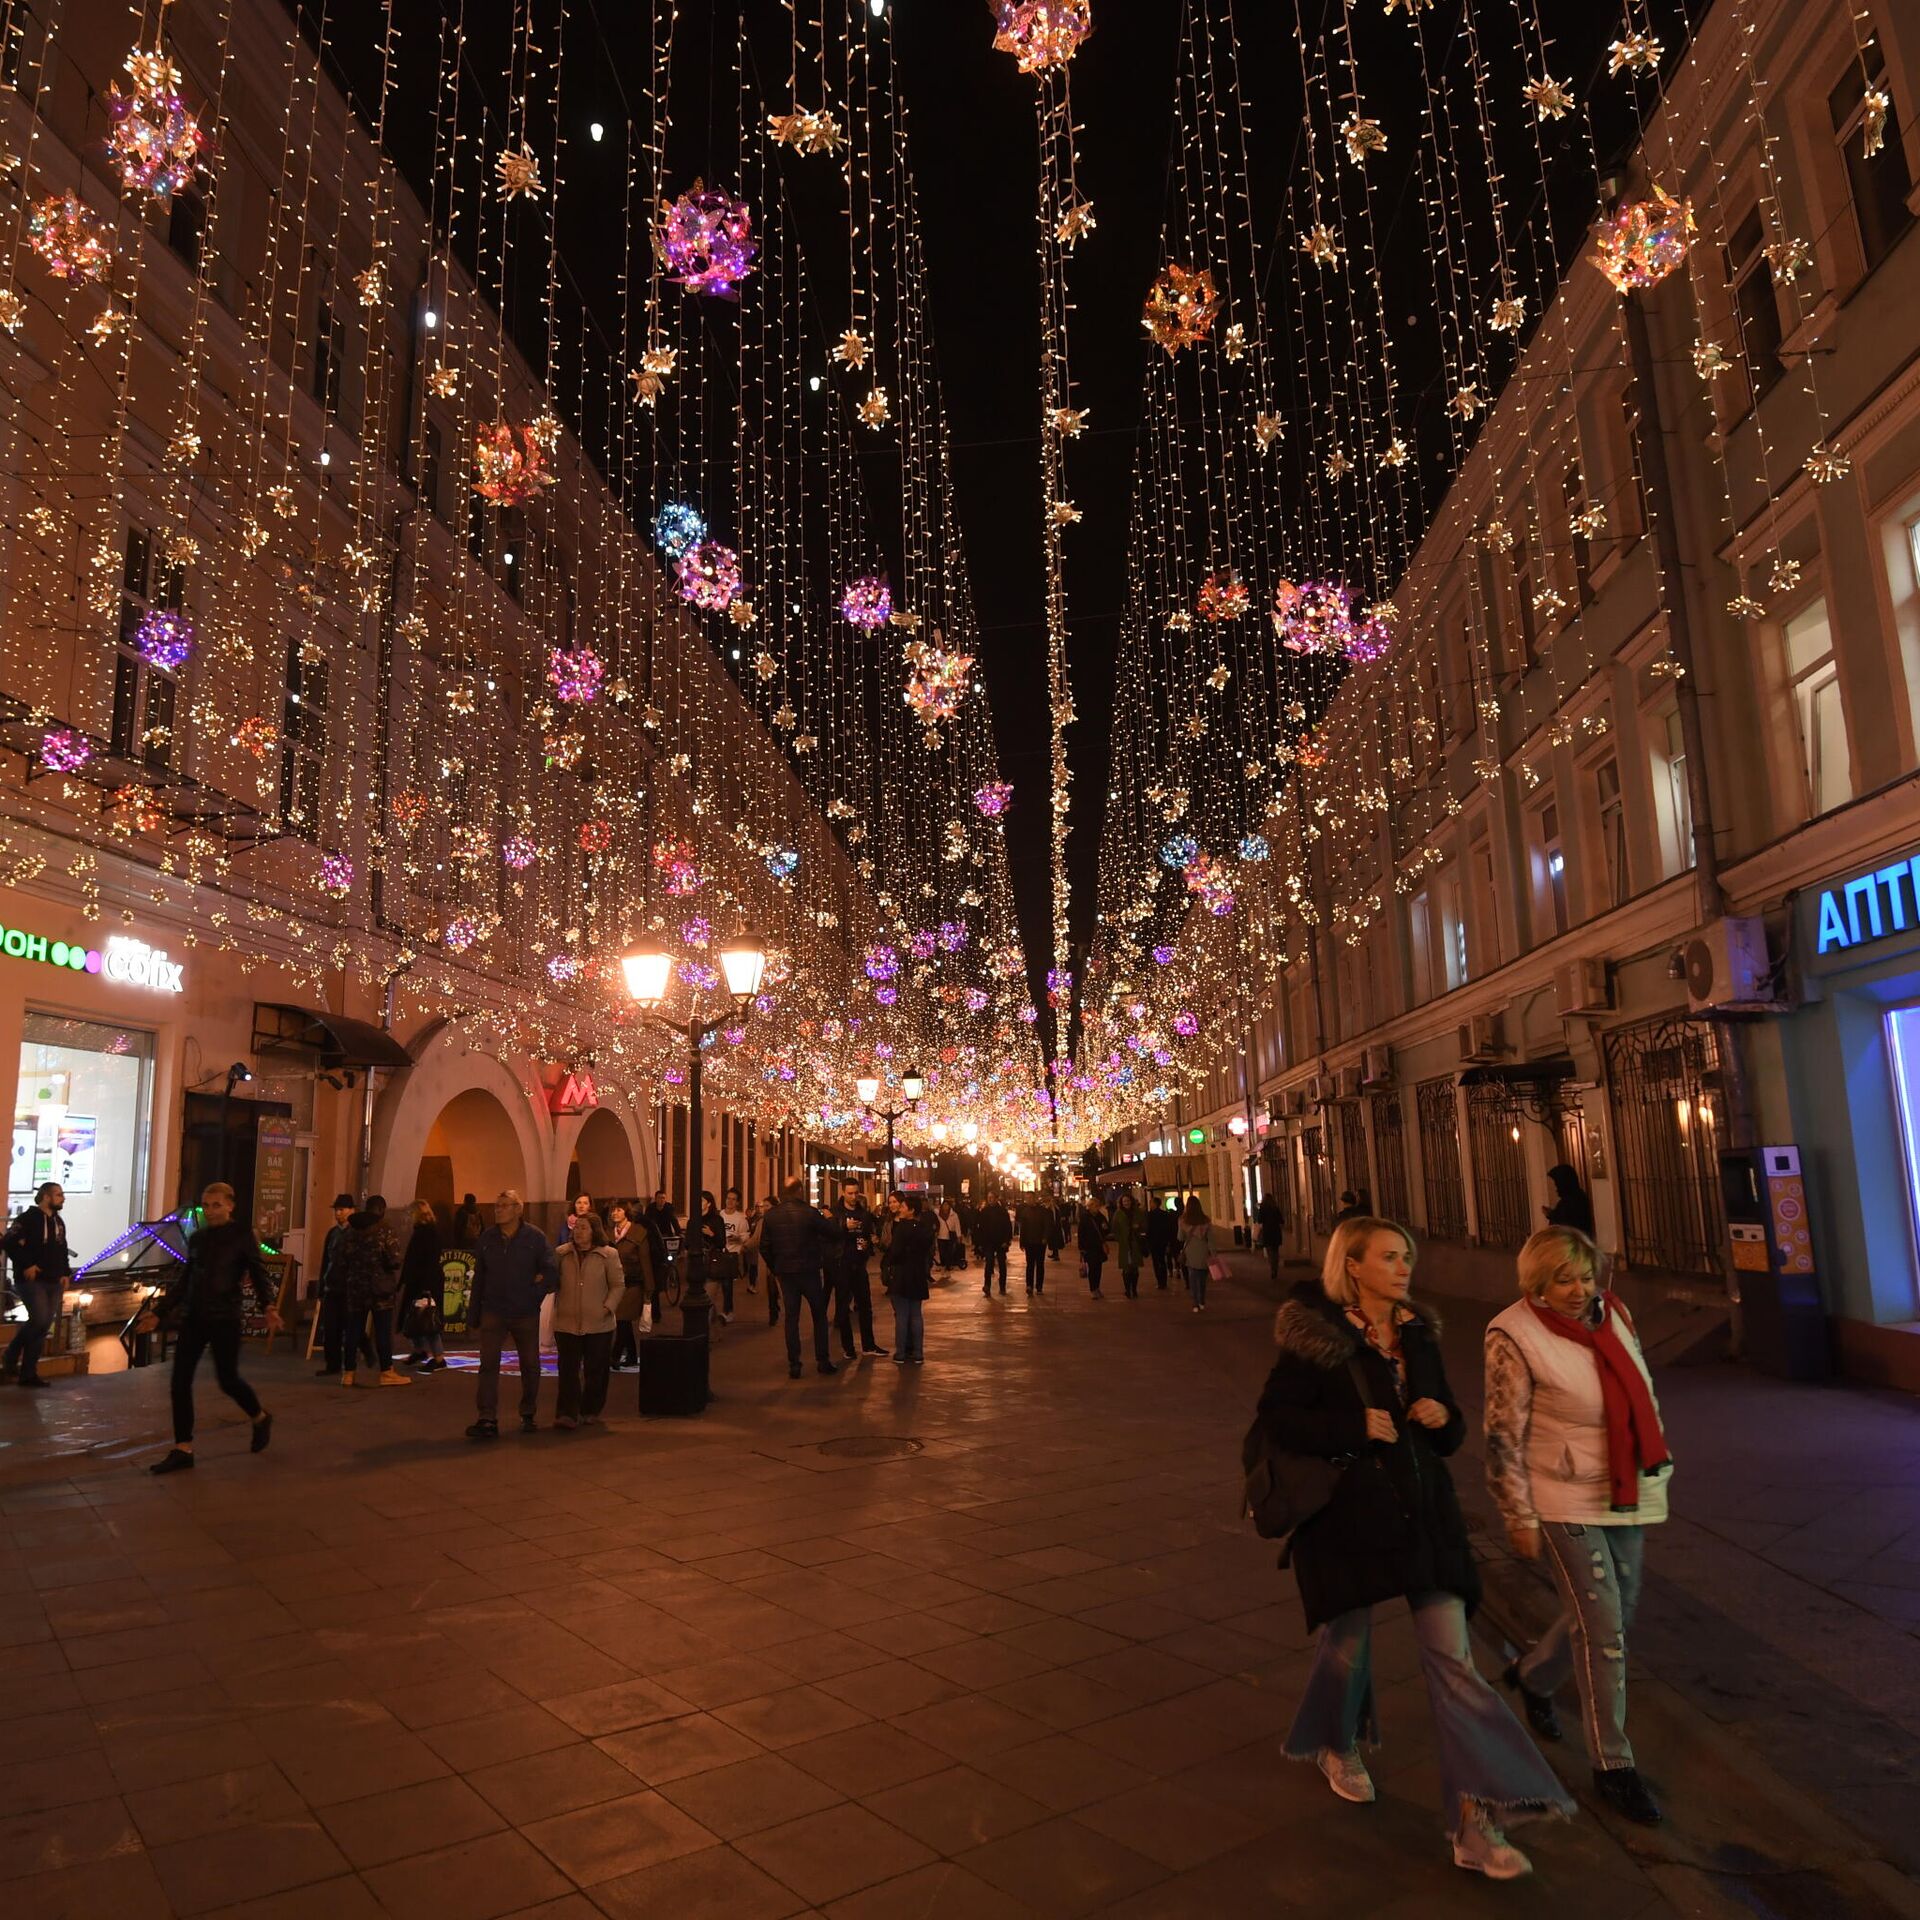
1180, 852
1254, 848
677, 527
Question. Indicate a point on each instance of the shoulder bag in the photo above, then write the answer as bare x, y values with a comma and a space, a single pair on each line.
1283, 1489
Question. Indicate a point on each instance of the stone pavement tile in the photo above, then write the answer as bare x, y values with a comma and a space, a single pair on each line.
570, 1906
940, 1892
1062, 1868
794, 1714
862, 1760
504, 1734
41, 1737
977, 1664
1063, 1772
130, 1679
1900, 1603
613, 1837
613, 1709
160, 1759
477, 1880
969, 1726
391, 1824
1173, 1825
1259, 1783
1053, 1562
215, 1803
174, 1711
66, 1836
825, 1856
1142, 1676
124, 1886
715, 1884
1060, 1700
750, 1795
670, 1749
1162, 1738
374, 1759
1136, 1619
1061, 1643
914, 1633
1206, 1644
817, 1552
427, 1701
719, 1683
346, 1899
888, 1688
957, 1809
245, 1863
997, 1613
75, 1776
538, 1785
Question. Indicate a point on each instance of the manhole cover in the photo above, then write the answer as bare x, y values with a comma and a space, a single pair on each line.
871, 1446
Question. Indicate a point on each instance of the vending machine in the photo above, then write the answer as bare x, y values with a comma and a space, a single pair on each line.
1783, 1318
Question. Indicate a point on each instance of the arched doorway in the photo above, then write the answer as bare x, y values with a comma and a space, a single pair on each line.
602, 1165
471, 1148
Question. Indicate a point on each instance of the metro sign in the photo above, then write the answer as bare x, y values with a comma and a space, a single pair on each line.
575, 1094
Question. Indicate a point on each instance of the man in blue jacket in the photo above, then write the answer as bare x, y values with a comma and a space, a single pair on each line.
513, 1271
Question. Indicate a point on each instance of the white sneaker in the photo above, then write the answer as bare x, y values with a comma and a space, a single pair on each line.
1347, 1775
1482, 1848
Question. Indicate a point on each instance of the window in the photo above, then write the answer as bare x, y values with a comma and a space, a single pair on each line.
1438, 1118
303, 734
1816, 700
1486, 905
1453, 930
1613, 828
187, 223
1877, 184
1420, 941
1550, 859
329, 356
1671, 798
1750, 274
479, 527
513, 553
1636, 460
433, 453
143, 695
1573, 498
1523, 591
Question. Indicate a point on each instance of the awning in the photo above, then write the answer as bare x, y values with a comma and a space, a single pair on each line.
1519, 1072
329, 1039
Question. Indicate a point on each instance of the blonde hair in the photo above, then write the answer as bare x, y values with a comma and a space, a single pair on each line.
423, 1213
1349, 1242
1554, 1251
221, 1188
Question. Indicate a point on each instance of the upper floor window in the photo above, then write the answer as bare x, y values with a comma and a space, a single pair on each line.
1524, 588
1550, 889
303, 733
1453, 929
187, 222
329, 356
1816, 699
1485, 901
1611, 805
143, 694
1420, 942
433, 455
1672, 799
1573, 499
1877, 183
1755, 306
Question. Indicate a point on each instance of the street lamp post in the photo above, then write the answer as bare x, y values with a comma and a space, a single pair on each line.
912, 1087
649, 972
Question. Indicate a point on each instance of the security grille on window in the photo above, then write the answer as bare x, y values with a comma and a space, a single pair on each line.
1499, 1166
1663, 1082
1313, 1144
1755, 306
1390, 1155
1440, 1159
1816, 701
143, 695
1877, 183
1353, 1149
303, 736
1613, 828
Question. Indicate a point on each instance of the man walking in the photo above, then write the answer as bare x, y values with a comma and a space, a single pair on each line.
857, 1232
1273, 1232
223, 1260
993, 1235
1163, 1228
513, 1272
796, 1243
1036, 1229
37, 1245
334, 1312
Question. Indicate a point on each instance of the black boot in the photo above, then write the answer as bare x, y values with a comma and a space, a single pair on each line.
1626, 1793
1541, 1714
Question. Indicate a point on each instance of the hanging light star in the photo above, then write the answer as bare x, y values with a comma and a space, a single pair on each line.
1710, 359
1644, 241
1321, 245
1042, 34
1069, 422
852, 350
1549, 98
155, 144
1634, 53
1395, 453
517, 169
705, 239
806, 131
1362, 137
1509, 314
1466, 401
1075, 223
875, 410
1233, 343
1181, 307
1267, 428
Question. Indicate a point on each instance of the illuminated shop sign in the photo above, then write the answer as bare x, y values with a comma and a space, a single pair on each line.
125, 961
1853, 913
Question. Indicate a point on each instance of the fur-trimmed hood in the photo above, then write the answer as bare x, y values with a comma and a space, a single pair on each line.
1312, 1328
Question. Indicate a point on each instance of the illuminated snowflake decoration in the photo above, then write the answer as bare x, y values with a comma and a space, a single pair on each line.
1181, 308
709, 575
64, 751
163, 639
677, 527
1163, 956
978, 1000
1223, 596
939, 681
1644, 241
510, 466
706, 241
922, 945
993, 799
678, 863
595, 836
698, 975
460, 933
1254, 848
697, 932
155, 144
519, 852
952, 935
1186, 1024
1209, 881
69, 239
575, 674
782, 862
1180, 852
882, 962
336, 875
1041, 34
563, 968
866, 603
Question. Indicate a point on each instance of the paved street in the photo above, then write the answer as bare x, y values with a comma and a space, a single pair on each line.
1027, 1662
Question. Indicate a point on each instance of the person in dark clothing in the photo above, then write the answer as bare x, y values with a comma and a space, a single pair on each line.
907, 1275
334, 1314
421, 1285
796, 1244
1359, 1381
371, 1259
1273, 1232
854, 1233
1571, 1206
1035, 1221
513, 1271
466, 1222
1353, 1206
633, 1245
1093, 1244
1163, 1231
223, 1261
36, 1243
992, 1236
715, 1261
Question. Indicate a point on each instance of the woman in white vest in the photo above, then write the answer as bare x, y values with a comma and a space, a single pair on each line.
1578, 1465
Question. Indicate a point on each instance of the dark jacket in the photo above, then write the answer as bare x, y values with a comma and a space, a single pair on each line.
794, 1239
38, 1239
370, 1263
853, 1233
1393, 1527
1273, 1222
222, 1262
908, 1267
1572, 1209
420, 1277
1036, 1223
1093, 1234
1163, 1229
993, 1227
511, 1276
634, 1245
1129, 1229
333, 1272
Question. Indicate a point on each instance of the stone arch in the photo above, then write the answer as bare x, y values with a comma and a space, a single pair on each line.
607, 1165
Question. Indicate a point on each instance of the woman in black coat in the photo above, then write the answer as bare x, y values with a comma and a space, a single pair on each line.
1359, 1380
422, 1302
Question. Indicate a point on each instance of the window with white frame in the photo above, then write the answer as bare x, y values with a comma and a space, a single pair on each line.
1550, 872
1672, 802
1453, 929
1878, 183
1816, 700
1756, 305
1420, 941
1486, 905
1610, 805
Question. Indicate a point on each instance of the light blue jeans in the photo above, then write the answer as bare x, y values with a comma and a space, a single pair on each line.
1484, 1753
909, 1329
1599, 1571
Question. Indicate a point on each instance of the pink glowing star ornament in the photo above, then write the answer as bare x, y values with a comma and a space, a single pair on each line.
163, 638
64, 751
519, 851
336, 875
705, 239
575, 674
154, 144
992, 799
866, 603
1644, 241
709, 575
1041, 34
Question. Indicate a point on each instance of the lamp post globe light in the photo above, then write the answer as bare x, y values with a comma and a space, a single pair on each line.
913, 1087
649, 974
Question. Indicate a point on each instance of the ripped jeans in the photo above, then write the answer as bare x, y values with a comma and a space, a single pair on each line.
1598, 1571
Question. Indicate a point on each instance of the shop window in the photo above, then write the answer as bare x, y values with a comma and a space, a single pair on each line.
1611, 804
303, 738
143, 696
1502, 1210
1755, 305
1817, 706
329, 356
1903, 1050
1877, 184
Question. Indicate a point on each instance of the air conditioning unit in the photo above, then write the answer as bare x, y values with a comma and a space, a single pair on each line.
1480, 1038
1347, 1082
1727, 966
1294, 1100
1319, 1089
1581, 986
1376, 1067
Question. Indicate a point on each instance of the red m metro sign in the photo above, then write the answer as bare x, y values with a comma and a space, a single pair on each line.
575, 1093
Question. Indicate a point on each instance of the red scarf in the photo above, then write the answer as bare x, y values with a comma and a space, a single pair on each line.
1635, 1443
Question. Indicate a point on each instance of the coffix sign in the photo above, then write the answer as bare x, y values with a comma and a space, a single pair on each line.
125, 961
1854, 913
574, 1093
